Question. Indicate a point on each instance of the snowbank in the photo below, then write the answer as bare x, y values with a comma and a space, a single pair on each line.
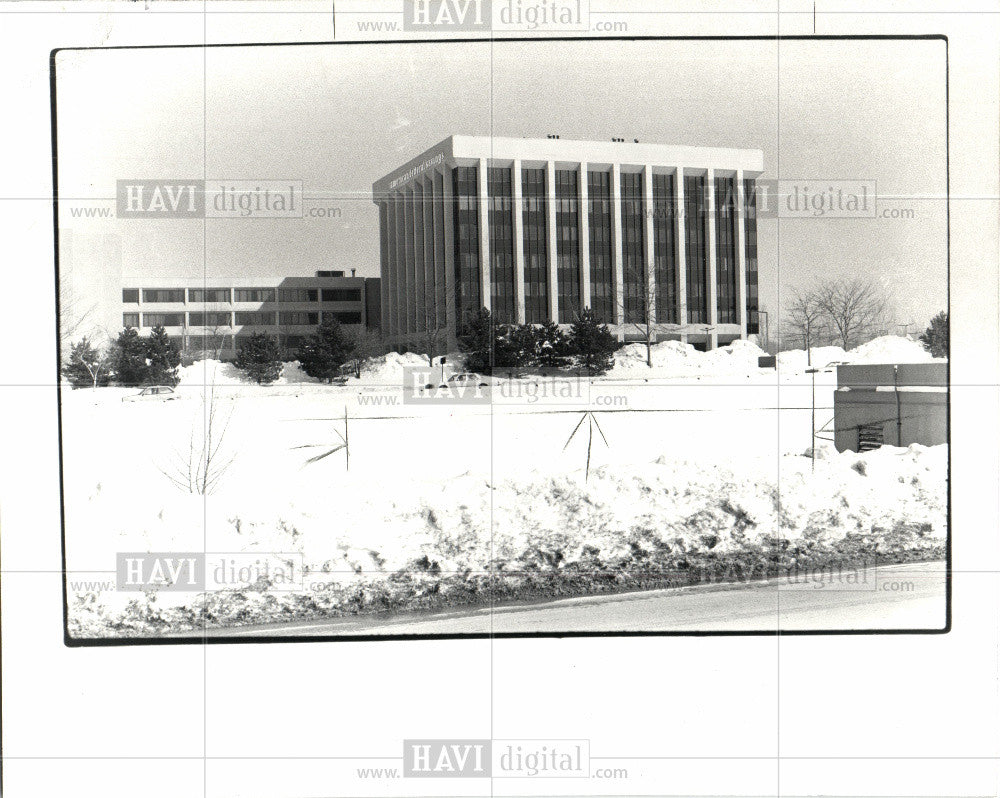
437, 544
675, 358
209, 372
886, 349
292, 374
891, 349
388, 369
222, 373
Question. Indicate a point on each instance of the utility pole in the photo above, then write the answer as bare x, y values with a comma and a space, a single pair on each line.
812, 424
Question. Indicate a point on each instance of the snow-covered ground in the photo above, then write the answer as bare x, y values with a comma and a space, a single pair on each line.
692, 462
672, 358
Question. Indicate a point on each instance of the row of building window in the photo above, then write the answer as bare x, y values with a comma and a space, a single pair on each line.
602, 278
243, 318
567, 245
217, 343
636, 285
130, 296
534, 225
500, 215
466, 212
664, 249
726, 281
750, 246
414, 247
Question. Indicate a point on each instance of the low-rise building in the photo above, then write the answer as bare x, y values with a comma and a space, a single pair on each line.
210, 319
890, 405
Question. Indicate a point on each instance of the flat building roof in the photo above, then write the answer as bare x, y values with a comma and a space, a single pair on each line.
503, 151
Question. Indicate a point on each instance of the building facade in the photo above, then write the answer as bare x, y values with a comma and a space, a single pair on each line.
891, 404
653, 238
211, 319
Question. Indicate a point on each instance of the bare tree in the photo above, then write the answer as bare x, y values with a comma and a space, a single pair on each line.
97, 364
366, 344
200, 468
853, 308
430, 344
74, 320
645, 324
804, 318
211, 343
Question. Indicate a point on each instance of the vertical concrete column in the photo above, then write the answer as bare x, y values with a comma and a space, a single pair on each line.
437, 219
409, 262
550, 233
419, 265
518, 211
399, 271
616, 236
448, 238
679, 231
583, 214
741, 255
713, 290
430, 250
648, 234
384, 267
426, 276
430, 272
484, 236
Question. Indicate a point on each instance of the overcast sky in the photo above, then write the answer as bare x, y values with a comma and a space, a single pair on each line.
338, 117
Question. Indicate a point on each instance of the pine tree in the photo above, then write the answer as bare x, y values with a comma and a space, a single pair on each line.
551, 347
476, 339
325, 351
128, 358
935, 337
259, 359
163, 358
512, 346
592, 343
86, 367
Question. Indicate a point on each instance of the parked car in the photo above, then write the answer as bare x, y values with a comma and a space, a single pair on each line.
466, 379
154, 393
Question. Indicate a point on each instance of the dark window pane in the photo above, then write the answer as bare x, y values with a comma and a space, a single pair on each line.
341, 294
163, 295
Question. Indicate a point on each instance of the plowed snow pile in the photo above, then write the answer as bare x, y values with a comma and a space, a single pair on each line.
366, 551
673, 358
676, 358
388, 369
220, 373
890, 349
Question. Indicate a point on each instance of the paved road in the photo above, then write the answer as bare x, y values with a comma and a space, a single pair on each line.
889, 597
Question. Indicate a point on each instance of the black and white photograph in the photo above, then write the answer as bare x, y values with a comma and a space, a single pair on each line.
439, 353
481, 365
507, 398
460, 374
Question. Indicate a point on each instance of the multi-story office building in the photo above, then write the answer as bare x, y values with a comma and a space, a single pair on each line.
210, 319
536, 230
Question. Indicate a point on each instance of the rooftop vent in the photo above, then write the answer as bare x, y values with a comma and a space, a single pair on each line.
329, 274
